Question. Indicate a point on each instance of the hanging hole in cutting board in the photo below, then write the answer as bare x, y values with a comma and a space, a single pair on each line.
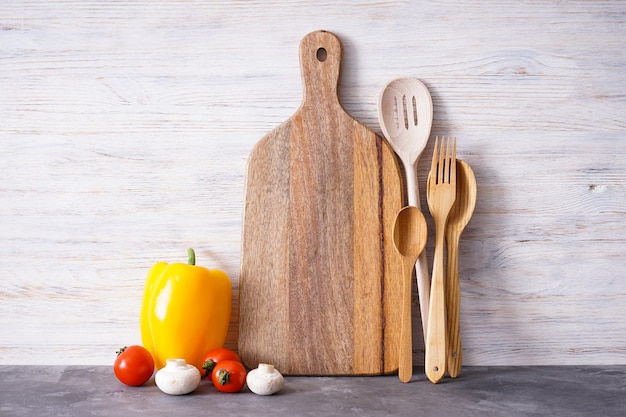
322, 54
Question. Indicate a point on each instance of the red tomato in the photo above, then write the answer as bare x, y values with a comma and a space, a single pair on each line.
134, 365
216, 356
229, 376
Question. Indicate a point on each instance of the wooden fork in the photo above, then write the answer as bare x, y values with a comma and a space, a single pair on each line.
441, 194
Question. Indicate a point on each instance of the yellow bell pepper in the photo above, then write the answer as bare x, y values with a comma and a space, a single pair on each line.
185, 311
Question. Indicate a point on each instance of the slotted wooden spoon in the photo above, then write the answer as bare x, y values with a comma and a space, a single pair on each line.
405, 115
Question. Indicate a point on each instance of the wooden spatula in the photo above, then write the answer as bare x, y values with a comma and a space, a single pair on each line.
320, 280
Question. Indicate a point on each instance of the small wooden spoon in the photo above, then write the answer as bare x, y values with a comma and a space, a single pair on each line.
409, 238
459, 217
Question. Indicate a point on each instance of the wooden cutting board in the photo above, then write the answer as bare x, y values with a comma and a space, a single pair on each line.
320, 280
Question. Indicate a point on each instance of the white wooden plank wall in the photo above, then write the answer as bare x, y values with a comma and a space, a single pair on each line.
125, 128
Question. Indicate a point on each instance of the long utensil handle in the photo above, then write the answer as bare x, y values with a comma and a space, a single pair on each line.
453, 306
421, 266
405, 367
436, 336
423, 290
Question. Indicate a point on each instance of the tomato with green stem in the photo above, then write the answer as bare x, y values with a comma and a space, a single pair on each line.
229, 376
214, 357
134, 365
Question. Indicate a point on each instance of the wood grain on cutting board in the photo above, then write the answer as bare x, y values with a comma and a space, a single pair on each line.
319, 285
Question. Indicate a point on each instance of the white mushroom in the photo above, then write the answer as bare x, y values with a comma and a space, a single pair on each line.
265, 380
177, 377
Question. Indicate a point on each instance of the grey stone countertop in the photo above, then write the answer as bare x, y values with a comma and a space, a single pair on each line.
567, 391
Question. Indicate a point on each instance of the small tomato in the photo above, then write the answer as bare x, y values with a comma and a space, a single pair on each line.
216, 356
229, 376
134, 365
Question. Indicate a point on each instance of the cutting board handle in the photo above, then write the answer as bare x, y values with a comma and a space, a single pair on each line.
320, 63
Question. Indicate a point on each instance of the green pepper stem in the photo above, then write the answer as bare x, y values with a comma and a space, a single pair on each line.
191, 260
